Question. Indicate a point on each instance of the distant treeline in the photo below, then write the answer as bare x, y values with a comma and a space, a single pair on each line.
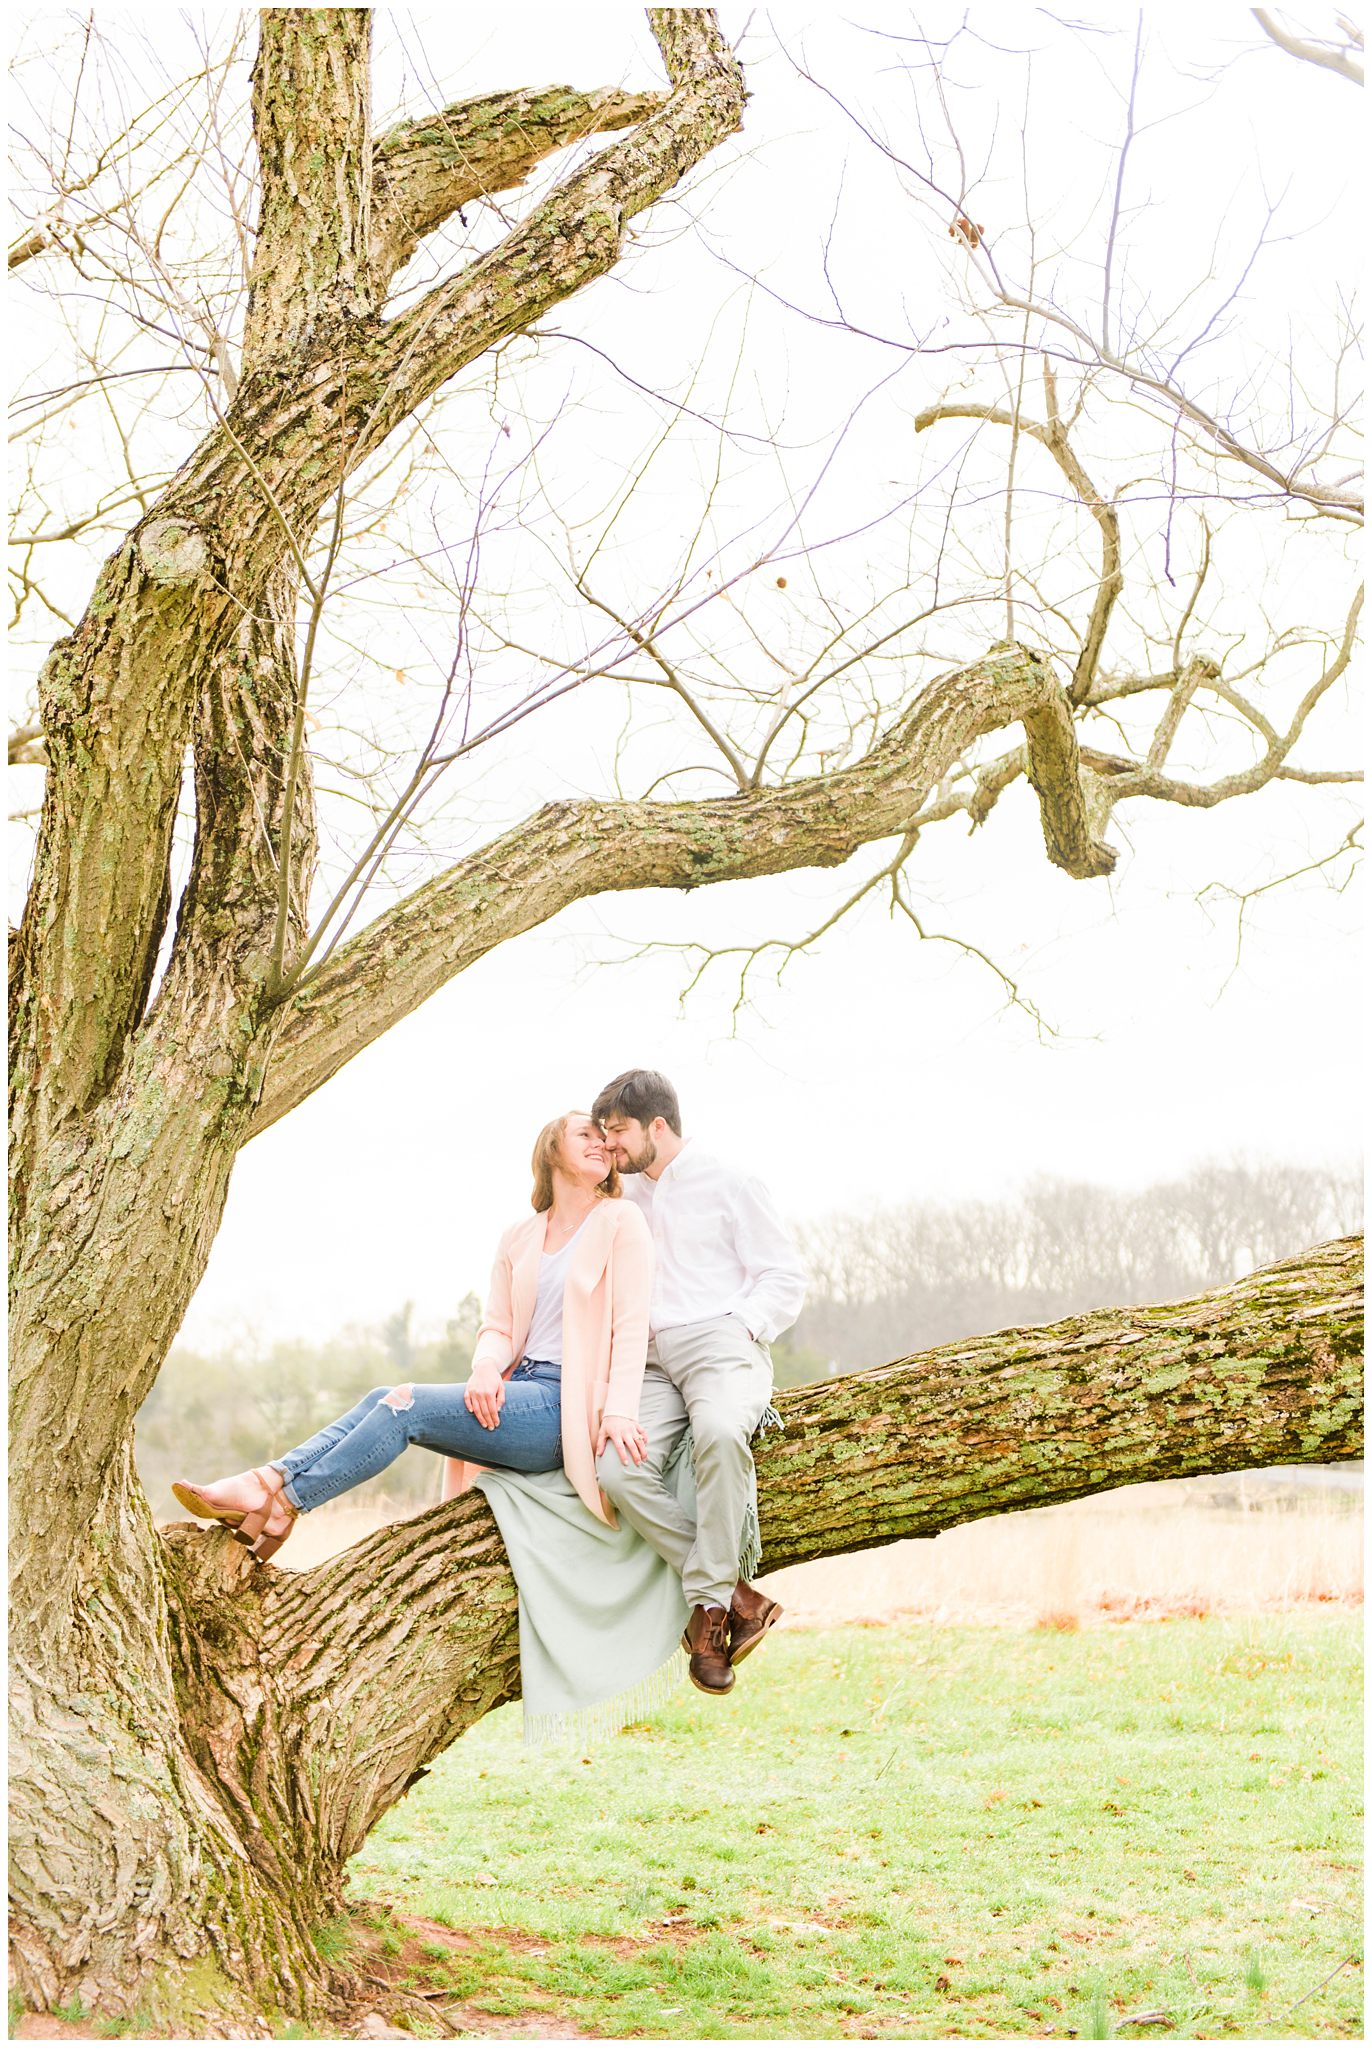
884, 1284
898, 1280
209, 1415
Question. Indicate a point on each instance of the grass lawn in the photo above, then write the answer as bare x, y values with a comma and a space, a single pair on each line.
916, 1831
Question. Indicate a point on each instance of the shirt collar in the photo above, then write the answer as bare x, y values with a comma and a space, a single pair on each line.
668, 1172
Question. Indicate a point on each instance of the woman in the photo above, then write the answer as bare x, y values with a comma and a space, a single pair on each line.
555, 1375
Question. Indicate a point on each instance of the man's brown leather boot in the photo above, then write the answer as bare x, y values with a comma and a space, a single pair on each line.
707, 1639
751, 1614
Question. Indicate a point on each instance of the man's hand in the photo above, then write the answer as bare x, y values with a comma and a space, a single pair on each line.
627, 1437
485, 1395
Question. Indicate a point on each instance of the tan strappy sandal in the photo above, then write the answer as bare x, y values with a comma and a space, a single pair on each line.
256, 1527
250, 1526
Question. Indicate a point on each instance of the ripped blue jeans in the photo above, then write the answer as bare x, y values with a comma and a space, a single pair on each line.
385, 1422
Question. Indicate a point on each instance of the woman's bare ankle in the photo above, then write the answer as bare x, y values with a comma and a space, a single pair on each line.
239, 1490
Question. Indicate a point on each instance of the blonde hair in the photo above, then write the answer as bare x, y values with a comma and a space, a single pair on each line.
548, 1154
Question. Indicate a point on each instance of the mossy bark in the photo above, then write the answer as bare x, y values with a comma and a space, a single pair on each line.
144, 1838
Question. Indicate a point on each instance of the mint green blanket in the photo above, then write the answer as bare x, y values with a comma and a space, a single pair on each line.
600, 1613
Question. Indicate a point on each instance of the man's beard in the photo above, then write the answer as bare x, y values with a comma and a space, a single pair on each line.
639, 1162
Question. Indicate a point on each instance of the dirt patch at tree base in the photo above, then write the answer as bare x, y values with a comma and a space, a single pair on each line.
394, 1952
45, 2026
391, 1956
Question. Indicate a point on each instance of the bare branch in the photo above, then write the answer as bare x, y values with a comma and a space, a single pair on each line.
1349, 848
1053, 436
26, 749
1330, 56
576, 234
1197, 671
569, 851
425, 171
671, 680
1332, 498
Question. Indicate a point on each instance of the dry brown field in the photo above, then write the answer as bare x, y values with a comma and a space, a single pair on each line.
1140, 1552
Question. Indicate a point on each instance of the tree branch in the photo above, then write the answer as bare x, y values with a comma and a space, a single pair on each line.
1333, 498
575, 235
117, 697
312, 120
425, 171
328, 1751
569, 851
1053, 437
1324, 54
370, 1665
26, 749
1116, 777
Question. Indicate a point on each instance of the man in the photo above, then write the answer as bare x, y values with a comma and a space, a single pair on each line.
728, 1280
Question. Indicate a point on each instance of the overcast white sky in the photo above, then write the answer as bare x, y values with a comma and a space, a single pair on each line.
878, 1069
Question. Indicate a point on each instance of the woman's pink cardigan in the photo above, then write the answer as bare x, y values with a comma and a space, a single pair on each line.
604, 1331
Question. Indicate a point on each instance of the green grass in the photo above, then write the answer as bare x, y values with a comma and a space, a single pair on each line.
333, 1938
921, 1831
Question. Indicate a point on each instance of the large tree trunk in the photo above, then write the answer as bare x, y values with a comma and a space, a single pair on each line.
208, 1791
144, 1864
199, 1744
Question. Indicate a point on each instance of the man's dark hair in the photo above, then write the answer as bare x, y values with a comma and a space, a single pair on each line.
641, 1094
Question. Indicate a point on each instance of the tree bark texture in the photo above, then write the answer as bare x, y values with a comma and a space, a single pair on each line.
131, 1866
198, 1743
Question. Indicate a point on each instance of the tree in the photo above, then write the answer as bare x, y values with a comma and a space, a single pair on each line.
197, 1745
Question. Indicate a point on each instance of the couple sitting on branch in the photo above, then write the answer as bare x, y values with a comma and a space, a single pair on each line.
622, 1365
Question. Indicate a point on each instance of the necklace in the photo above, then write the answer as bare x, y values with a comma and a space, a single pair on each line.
563, 1230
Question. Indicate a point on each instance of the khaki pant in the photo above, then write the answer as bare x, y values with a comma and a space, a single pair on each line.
716, 1377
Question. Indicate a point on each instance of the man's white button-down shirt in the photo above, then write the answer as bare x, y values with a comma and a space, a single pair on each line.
721, 1247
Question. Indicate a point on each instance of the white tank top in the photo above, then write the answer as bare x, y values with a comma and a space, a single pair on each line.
545, 1328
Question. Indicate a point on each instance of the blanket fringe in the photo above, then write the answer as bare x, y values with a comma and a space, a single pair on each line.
750, 1544
583, 1725
579, 1726
750, 1540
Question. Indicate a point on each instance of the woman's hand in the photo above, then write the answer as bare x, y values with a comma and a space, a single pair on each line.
627, 1437
485, 1395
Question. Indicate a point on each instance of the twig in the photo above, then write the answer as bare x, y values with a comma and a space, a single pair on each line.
297, 742
1347, 1964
